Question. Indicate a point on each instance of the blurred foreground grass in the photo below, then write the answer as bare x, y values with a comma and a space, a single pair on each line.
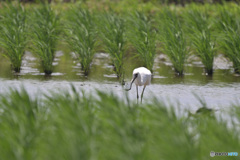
72, 125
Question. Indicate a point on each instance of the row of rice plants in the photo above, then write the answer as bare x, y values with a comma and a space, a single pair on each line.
201, 34
176, 35
42, 29
73, 125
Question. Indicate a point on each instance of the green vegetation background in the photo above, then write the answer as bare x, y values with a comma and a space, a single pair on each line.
73, 125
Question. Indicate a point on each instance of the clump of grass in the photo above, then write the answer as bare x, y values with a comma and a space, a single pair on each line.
197, 20
202, 39
13, 35
231, 46
112, 32
205, 48
143, 38
45, 32
227, 20
75, 125
230, 37
21, 123
173, 40
82, 36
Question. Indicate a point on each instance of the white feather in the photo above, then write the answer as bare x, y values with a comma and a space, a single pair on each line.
144, 76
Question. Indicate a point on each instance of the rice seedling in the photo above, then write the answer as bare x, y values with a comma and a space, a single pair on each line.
81, 36
74, 125
229, 38
45, 31
227, 20
205, 48
22, 122
13, 35
197, 20
202, 40
231, 46
143, 37
174, 41
112, 31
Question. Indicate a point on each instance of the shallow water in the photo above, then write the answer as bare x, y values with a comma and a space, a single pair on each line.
220, 90
182, 95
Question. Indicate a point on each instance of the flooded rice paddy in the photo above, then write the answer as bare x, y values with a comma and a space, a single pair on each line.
220, 90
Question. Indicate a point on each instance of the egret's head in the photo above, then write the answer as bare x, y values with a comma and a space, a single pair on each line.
135, 75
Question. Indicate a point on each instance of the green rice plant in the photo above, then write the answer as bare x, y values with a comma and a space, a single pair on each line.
197, 20
206, 126
45, 32
205, 49
227, 20
231, 46
229, 38
200, 32
174, 41
80, 140
112, 32
22, 124
143, 37
81, 36
13, 35
74, 125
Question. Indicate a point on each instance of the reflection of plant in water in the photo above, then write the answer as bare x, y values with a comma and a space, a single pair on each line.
81, 36
13, 36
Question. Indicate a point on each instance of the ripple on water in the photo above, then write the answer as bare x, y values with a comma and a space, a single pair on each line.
110, 75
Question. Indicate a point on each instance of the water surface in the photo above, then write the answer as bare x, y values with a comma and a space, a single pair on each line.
220, 90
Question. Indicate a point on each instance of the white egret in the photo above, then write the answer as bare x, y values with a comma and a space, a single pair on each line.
141, 77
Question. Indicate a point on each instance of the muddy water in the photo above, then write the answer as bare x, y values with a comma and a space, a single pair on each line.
220, 90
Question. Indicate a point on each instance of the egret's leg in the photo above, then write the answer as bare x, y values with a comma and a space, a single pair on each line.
142, 92
137, 92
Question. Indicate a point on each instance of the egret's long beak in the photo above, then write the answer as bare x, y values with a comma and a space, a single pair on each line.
134, 78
